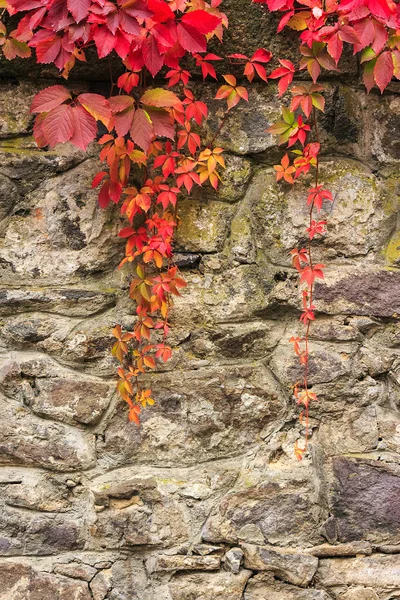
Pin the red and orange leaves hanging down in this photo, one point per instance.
(153, 135)
(372, 29)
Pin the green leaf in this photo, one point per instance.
(367, 54)
(288, 116)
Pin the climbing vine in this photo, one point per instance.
(371, 28)
(151, 143)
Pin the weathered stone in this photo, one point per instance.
(101, 584)
(360, 594)
(52, 391)
(179, 562)
(39, 533)
(215, 412)
(373, 293)
(233, 559)
(388, 549)
(356, 431)
(292, 567)
(27, 166)
(256, 510)
(205, 549)
(349, 549)
(76, 571)
(21, 582)
(376, 571)
(34, 490)
(15, 119)
(203, 227)
(64, 236)
(27, 439)
(262, 588)
(209, 586)
(146, 506)
(363, 502)
(74, 302)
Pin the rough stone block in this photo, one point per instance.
(292, 567)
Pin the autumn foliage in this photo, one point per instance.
(152, 128)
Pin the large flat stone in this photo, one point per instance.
(74, 302)
(59, 233)
(21, 582)
(199, 414)
(292, 567)
(377, 571)
(263, 588)
(208, 586)
(28, 440)
(257, 510)
(364, 500)
(53, 391)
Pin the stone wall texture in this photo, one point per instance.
(206, 500)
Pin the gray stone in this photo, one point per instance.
(21, 582)
(349, 549)
(256, 510)
(147, 506)
(262, 588)
(233, 559)
(215, 412)
(74, 302)
(363, 502)
(290, 566)
(203, 225)
(101, 584)
(76, 571)
(27, 439)
(368, 293)
(209, 586)
(65, 235)
(360, 594)
(376, 571)
(52, 391)
(179, 562)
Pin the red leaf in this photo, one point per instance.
(58, 125)
(98, 178)
(191, 39)
(47, 52)
(126, 232)
(383, 71)
(123, 121)
(38, 131)
(79, 8)
(163, 123)
(161, 10)
(104, 40)
(84, 127)
(49, 98)
(97, 106)
(201, 20)
(104, 196)
(142, 129)
(152, 58)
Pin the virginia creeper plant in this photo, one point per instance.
(153, 129)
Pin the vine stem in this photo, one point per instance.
(310, 289)
(219, 129)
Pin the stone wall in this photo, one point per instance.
(206, 500)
